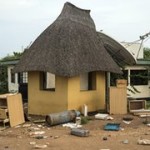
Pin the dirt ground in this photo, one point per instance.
(59, 138)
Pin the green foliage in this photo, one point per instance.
(147, 53)
(114, 77)
(84, 120)
(3, 80)
(148, 104)
(16, 55)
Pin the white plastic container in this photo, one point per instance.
(85, 110)
(78, 120)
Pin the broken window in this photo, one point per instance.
(47, 81)
(88, 81)
(139, 77)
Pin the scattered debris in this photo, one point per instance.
(141, 112)
(19, 137)
(18, 126)
(36, 133)
(125, 141)
(103, 116)
(40, 126)
(35, 129)
(6, 147)
(112, 126)
(39, 121)
(126, 122)
(40, 137)
(144, 142)
(26, 125)
(40, 146)
(105, 138)
(80, 132)
(78, 120)
(32, 143)
(122, 129)
(62, 117)
(56, 137)
(144, 115)
(128, 118)
(72, 125)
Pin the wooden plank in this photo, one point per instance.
(118, 100)
(15, 108)
(4, 96)
(3, 113)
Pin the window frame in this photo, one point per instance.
(43, 82)
(90, 81)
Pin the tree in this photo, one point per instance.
(147, 53)
(16, 55)
(3, 80)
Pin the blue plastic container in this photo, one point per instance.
(112, 126)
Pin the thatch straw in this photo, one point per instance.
(68, 47)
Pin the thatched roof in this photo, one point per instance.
(68, 47)
(118, 52)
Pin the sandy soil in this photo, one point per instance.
(59, 138)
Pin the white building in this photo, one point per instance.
(17, 82)
(136, 73)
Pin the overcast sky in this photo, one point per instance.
(21, 21)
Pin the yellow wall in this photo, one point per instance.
(94, 99)
(44, 102)
(66, 96)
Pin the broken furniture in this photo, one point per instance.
(11, 109)
(136, 104)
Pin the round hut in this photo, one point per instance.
(67, 65)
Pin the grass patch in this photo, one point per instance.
(148, 104)
(85, 119)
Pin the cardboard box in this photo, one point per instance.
(121, 83)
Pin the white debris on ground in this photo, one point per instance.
(72, 125)
(36, 133)
(126, 122)
(103, 116)
(144, 142)
(40, 146)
